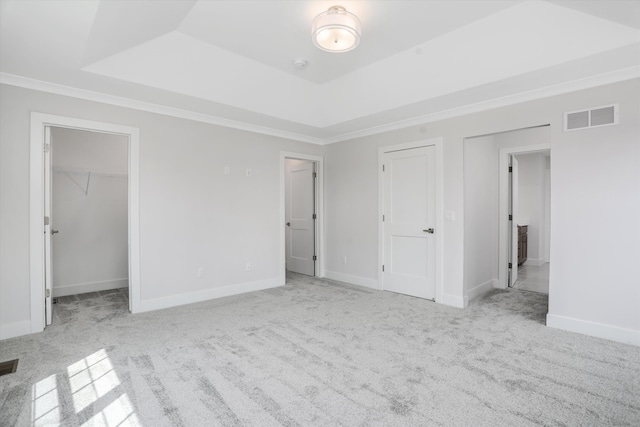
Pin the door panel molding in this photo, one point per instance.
(439, 220)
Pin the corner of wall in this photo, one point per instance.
(599, 330)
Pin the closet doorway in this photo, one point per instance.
(76, 172)
(89, 212)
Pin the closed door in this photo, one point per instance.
(300, 209)
(409, 222)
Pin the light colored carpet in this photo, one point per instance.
(317, 352)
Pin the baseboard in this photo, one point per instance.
(535, 262)
(600, 330)
(15, 329)
(453, 300)
(208, 294)
(353, 280)
(81, 288)
(476, 291)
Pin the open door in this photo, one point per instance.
(300, 216)
(513, 221)
(48, 227)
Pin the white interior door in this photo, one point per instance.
(514, 221)
(300, 210)
(409, 222)
(48, 227)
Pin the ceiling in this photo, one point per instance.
(231, 62)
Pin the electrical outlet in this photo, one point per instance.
(200, 272)
(248, 266)
(344, 260)
(248, 171)
(227, 170)
(449, 215)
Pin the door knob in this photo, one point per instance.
(54, 231)
(429, 230)
(288, 224)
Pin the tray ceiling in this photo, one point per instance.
(233, 60)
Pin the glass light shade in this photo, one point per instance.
(336, 30)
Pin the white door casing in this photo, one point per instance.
(514, 220)
(300, 211)
(39, 124)
(48, 226)
(504, 234)
(409, 201)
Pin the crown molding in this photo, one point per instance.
(43, 86)
(545, 92)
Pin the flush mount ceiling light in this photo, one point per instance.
(336, 30)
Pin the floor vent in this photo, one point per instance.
(593, 117)
(8, 367)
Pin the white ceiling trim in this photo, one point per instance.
(558, 89)
(28, 83)
(580, 84)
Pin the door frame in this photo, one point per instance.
(40, 121)
(319, 223)
(503, 206)
(438, 143)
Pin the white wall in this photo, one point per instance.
(90, 252)
(603, 299)
(191, 214)
(480, 215)
(481, 204)
(220, 222)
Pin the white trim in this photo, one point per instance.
(534, 262)
(36, 207)
(545, 92)
(319, 160)
(558, 89)
(438, 143)
(353, 280)
(40, 85)
(81, 288)
(503, 225)
(208, 294)
(15, 329)
(481, 289)
(600, 330)
(456, 301)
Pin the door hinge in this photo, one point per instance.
(47, 293)
(510, 169)
(315, 258)
(382, 218)
(510, 217)
(510, 265)
(46, 220)
(382, 168)
(315, 174)
(314, 216)
(383, 268)
(46, 147)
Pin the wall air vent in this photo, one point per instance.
(593, 117)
